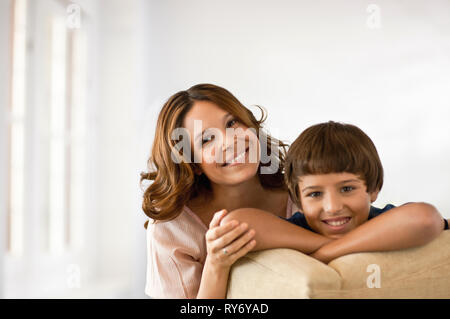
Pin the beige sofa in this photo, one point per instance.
(421, 272)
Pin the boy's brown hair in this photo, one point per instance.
(332, 147)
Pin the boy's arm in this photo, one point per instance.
(274, 232)
(406, 226)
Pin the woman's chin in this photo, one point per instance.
(240, 176)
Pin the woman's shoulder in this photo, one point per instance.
(176, 238)
(293, 207)
(285, 199)
(277, 201)
(185, 226)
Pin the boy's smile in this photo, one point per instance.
(335, 203)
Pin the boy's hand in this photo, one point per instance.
(406, 226)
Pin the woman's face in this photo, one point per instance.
(226, 151)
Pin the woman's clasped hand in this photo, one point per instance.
(228, 242)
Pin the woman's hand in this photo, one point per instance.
(224, 244)
(227, 243)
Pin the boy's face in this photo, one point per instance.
(335, 203)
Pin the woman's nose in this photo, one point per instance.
(229, 142)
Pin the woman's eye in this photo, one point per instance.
(231, 122)
(314, 194)
(207, 139)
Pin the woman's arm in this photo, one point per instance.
(406, 226)
(225, 244)
(274, 232)
(243, 230)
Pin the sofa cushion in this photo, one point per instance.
(420, 272)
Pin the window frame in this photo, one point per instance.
(38, 272)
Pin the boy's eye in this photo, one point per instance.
(314, 194)
(347, 189)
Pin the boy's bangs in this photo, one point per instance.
(333, 148)
(334, 160)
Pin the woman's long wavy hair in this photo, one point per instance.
(174, 184)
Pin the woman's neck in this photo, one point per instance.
(246, 194)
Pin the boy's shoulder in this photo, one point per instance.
(374, 211)
(299, 219)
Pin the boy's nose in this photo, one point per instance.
(332, 204)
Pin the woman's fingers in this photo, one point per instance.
(227, 243)
(215, 221)
(243, 251)
(239, 243)
(229, 237)
(217, 232)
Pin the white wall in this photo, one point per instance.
(122, 252)
(314, 61)
(112, 262)
(113, 259)
(5, 69)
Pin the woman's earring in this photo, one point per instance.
(197, 170)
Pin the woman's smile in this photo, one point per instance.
(242, 158)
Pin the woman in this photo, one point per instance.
(189, 252)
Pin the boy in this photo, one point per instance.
(334, 173)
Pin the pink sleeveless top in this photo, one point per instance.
(176, 252)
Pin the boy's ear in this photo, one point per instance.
(374, 195)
